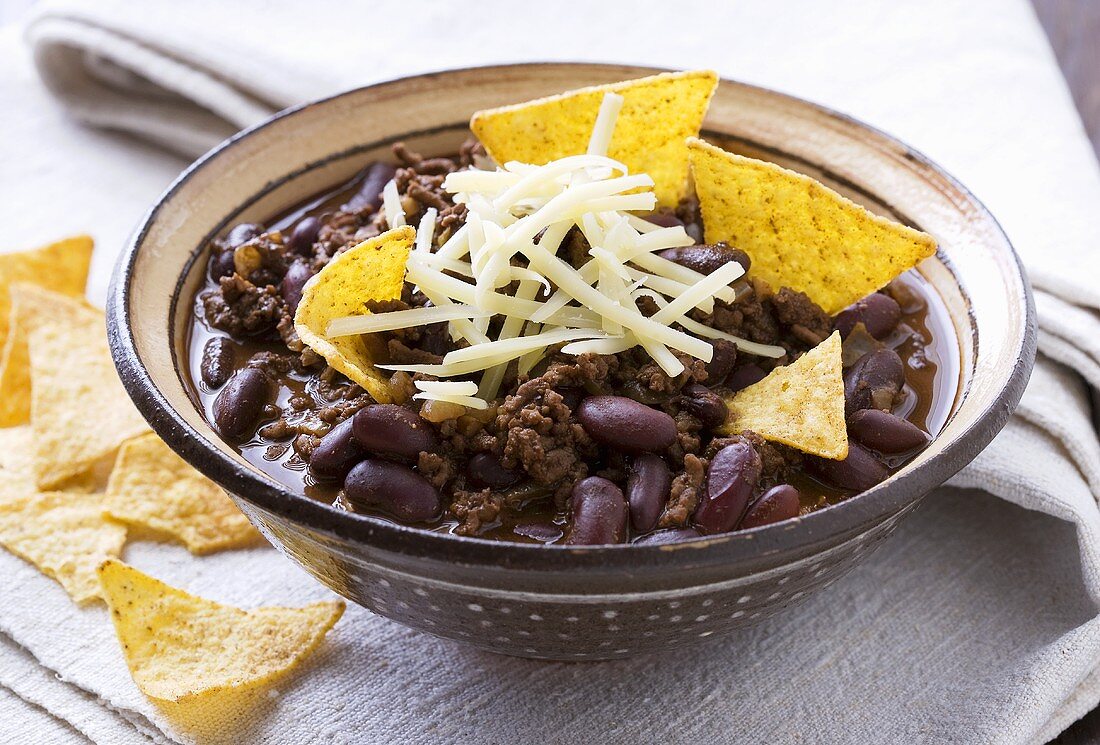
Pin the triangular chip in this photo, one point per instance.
(800, 404)
(17, 466)
(61, 267)
(152, 487)
(798, 232)
(658, 113)
(64, 534)
(179, 646)
(373, 270)
(80, 413)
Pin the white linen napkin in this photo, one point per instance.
(976, 623)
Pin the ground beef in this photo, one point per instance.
(242, 309)
(475, 509)
(436, 468)
(536, 428)
(806, 321)
(687, 489)
(401, 354)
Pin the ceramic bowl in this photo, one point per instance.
(561, 602)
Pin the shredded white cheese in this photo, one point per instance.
(518, 215)
(391, 205)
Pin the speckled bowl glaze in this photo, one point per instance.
(557, 602)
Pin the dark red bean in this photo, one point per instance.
(647, 490)
(336, 453)
(486, 470)
(625, 424)
(222, 264)
(706, 259)
(304, 235)
(599, 513)
(745, 376)
(672, 535)
(885, 432)
(293, 282)
(705, 405)
(775, 505)
(873, 381)
(664, 219)
(858, 472)
(217, 362)
(369, 195)
(731, 479)
(721, 362)
(237, 408)
(243, 233)
(392, 488)
(879, 313)
(393, 430)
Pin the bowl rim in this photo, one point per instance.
(849, 517)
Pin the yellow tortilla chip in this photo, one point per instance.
(179, 646)
(658, 113)
(373, 270)
(800, 404)
(798, 232)
(61, 267)
(80, 413)
(64, 534)
(152, 487)
(17, 466)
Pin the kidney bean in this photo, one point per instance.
(885, 432)
(217, 361)
(599, 513)
(293, 281)
(304, 235)
(625, 424)
(706, 259)
(486, 470)
(775, 505)
(392, 488)
(879, 313)
(369, 195)
(858, 472)
(647, 490)
(721, 362)
(242, 233)
(240, 403)
(745, 376)
(336, 453)
(705, 405)
(222, 264)
(672, 535)
(393, 430)
(731, 479)
(873, 381)
(664, 219)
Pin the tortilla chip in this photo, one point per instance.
(179, 646)
(64, 534)
(800, 404)
(152, 487)
(658, 114)
(373, 270)
(799, 233)
(80, 413)
(61, 267)
(17, 467)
